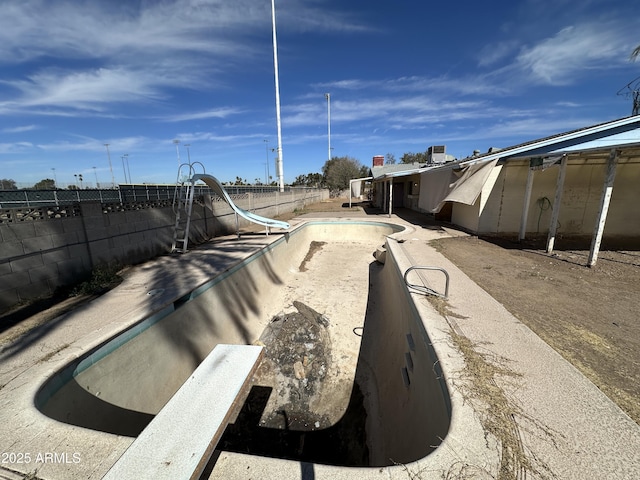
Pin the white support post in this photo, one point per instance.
(384, 195)
(607, 190)
(551, 238)
(390, 196)
(525, 208)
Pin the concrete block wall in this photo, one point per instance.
(38, 254)
(52, 247)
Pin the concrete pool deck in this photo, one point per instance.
(562, 422)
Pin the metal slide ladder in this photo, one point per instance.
(182, 207)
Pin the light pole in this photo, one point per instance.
(124, 169)
(328, 97)
(279, 168)
(266, 142)
(177, 142)
(126, 157)
(95, 172)
(113, 180)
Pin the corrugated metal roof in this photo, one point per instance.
(623, 132)
(573, 140)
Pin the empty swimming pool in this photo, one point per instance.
(349, 378)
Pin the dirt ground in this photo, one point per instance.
(588, 315)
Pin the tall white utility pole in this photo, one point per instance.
(279, 168)
(113, 180)
(328, 97)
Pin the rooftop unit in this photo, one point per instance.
(437, 154)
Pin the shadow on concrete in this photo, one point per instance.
(63, 399)
(89, 411)
(423, 220)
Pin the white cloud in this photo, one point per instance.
(560, 59)
(20, 129)
(100, 30)
(494, 53)
(16, 147)
(107, 52)
(214, 113)
(86, 89)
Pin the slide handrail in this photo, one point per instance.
(214, 184)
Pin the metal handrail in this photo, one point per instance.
(424, 289)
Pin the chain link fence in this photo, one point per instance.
(123, 194)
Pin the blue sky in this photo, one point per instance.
(402, 75)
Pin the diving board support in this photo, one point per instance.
(178, 443)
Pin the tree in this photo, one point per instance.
(309, 180)
(390, 159)
(45, 184)
(8, 184)
(338, 171)
(411, 157)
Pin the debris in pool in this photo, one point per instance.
(313, 248)
(295, 366)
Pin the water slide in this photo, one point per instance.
(214, 184)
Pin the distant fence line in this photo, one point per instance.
(122, 194)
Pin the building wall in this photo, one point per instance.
(500, 205)
(466, 216)
(44, 248)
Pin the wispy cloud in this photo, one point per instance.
(107, 53)
(563, 58)
(214, 113)
(84, 90)
(495, 52)
(16, 147)
(20, 129)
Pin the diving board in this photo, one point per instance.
(214, 184)
(179, 441)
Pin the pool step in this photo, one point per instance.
(179, 441)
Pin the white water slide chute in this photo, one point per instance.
(214, 184)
